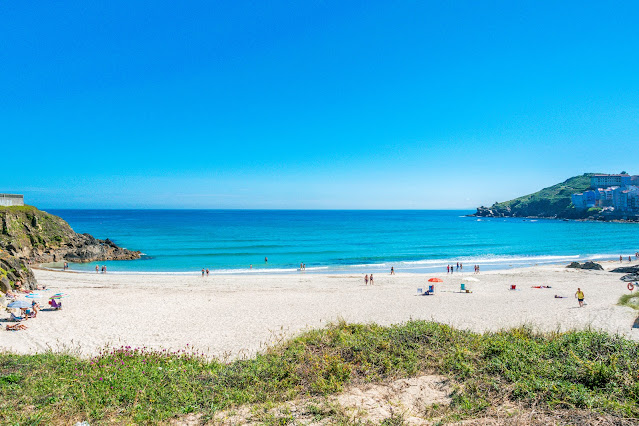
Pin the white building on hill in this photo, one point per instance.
(604, 181)
(11, 200)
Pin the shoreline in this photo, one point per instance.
(230, 316)
(432, 267)
(564, 219)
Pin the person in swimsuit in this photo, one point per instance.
(366, 279)
(580, 297)
(371, 279)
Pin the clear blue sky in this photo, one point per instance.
(312, 104)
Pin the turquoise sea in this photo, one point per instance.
(229, 241)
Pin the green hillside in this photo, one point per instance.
(553, 201)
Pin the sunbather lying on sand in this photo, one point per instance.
(559, 297)
(541, 286)
(16, 327)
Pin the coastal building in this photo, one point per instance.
(604, 181)
(11, 200)
(620, 199)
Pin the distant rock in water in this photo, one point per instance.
(588, 265)
(37, 236)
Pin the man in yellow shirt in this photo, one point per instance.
(580, 297)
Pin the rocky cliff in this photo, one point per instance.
(12, 270)
(31, 235)
(551, 202)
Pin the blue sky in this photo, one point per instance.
(312, 104)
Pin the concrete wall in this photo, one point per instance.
(11, 200)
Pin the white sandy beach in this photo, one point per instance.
(237, 314)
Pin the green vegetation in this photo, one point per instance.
(26, 227)
(580, 372)
(551, 201)
(630, 300)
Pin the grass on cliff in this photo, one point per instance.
(552, 200)
(585, 370)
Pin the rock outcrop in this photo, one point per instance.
(630, 278)
(627, 269)
(31, 234)
(587, 265)
(13, 270)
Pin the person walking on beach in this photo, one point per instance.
(458, 266)
(97, 270)
(461, 266)
(366, 279)
(620, 258)
(392, 271)
(580, 297)
(371, 279)
(202, 271)
(447, 269)
(207, 272)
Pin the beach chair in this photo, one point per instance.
(16, 318)
(419, 291)
(55, 304)
(463, 287)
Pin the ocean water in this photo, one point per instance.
(229, 241)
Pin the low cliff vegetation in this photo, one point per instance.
(550, 202)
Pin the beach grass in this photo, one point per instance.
(630, 300)
(578, 371)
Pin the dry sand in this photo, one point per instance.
(235, 315)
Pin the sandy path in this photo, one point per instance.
(237, 314)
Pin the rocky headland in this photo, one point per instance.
(29, 235)
(552, 202)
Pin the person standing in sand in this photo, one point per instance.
(366, 279)
(371, 279)
(202, 271)
(97, 270)
(580, 297)
(392, 271)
